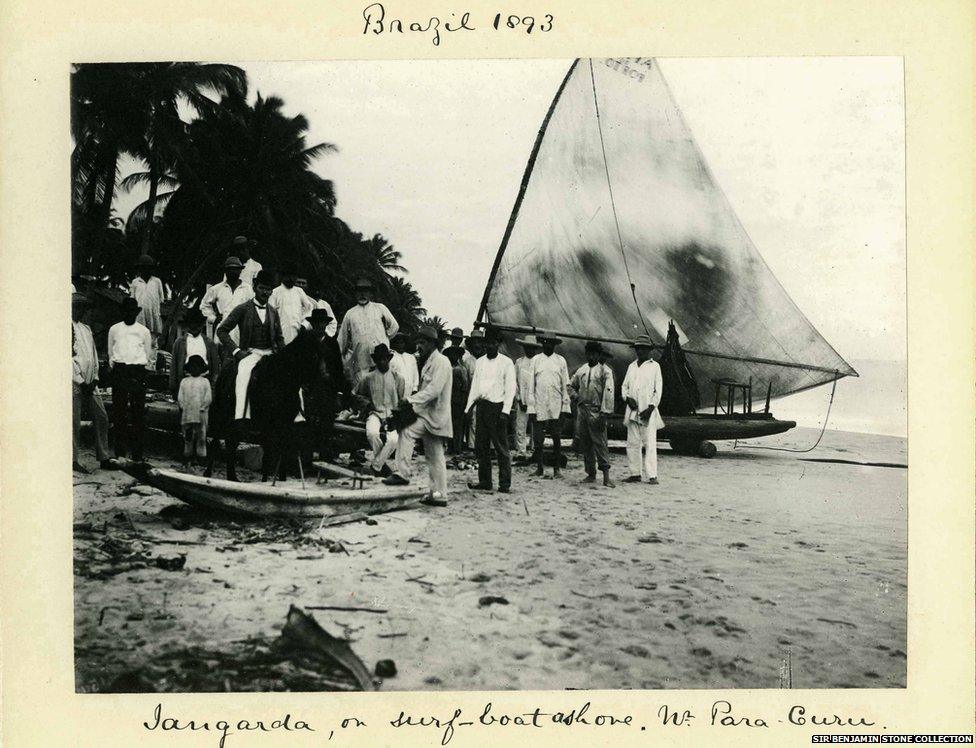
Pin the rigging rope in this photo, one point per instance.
(830, 403)
(613, 206)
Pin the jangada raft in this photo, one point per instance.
(265, 500)
(619, 228)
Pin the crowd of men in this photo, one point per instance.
(450, 397)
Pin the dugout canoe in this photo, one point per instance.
(265, 500)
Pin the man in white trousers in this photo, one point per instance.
(641, 390)
(432, 405)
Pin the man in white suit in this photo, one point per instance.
(641, 390)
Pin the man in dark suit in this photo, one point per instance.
(191, 342)
(260, 335)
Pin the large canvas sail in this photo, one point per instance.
(619, 227)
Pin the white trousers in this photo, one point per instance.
(244, 369)
(642, 438)
(521, 424)
(382, 451)
(433, 453)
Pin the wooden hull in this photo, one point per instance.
(705, 426)
(265, 500)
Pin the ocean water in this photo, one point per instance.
(876, 402)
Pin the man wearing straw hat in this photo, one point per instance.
(641, 390)
(84, 363)
(548, 399)
(593, 385)
(523, 374)
(428, 417)
(364, 327)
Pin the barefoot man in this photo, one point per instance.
(431, 405)
(641, 390)
(593, 385)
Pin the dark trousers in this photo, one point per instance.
(591, 431)
(539, 430)
(128, 408)
(491, 430)
(458, 424)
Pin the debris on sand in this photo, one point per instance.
(386, 669)
(484, 602)
(303, 633)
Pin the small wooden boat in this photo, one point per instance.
(266, 500)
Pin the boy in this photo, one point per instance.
(383, 390)
(459, 396)
(129, 350)
(192, 343)
(194, 397)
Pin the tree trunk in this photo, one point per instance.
(151, 205)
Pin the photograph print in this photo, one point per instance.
(489, 374)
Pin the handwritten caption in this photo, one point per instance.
(377, 21)
(443, 728)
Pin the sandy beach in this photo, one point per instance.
(711, 579)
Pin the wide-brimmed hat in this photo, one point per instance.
(319, 315)
(193, 314)
(427, 333)
(364, 283)
(528, 340)
(593, 346)
(381, 352)
(233, 262)
(195, 364)
(478, 334)
(643, 341)
(145, 261)
(129, 304)
(79, 298)
(550, 337)
(457, 332)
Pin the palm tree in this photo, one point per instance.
(246, 169)
(436, 322)
(385, 256)
(405, 304)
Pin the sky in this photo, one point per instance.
(809, 151)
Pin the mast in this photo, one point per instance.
(483, 309)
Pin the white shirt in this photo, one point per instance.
(129, 344)
(549, 392)
(363, 328)
(293, 306)
(333, 327)
(224, 298)
(195, 346)
(149, 294)
(85, 358)
(494, 381)
(405, 364)
(644, 384)
(432, 402)
(523, 379)
(251, 268)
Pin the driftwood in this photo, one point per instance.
(305, 635)
(346, 608)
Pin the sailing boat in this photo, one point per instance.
(620, 229)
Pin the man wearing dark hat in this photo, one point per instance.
(548, 399)
(322, 401)
(259, 335)
(220, 298)
(364, 327)
(523, 373)
(129, 349)
(431, 404)
(492, 392)
(84, 364)
(381, 390)
(148, 292)
(192, 343)
(593, 386)
(641, 390)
